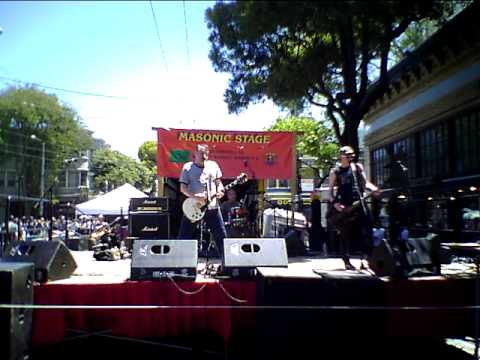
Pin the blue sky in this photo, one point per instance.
(112, 48)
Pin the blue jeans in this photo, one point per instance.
(214, 222)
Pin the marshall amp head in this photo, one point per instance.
(149, 225)
(150, 204)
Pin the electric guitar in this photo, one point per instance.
(194, 209)
(335, 217)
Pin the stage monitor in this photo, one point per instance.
(159, 259)
(248, 253)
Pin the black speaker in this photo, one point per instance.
(77, 242)
(52, 259)
(242, 255)
(423, 252)
(295, 245)
(158, 259)
(149, 225)
(16, 287)
(383, 261)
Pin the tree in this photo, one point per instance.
(27, 111)
(316, 139)
(148, 153)
(299, 54)
(421, 30)
(113, 169)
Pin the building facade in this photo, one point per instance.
(423, 133)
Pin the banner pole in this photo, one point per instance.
(293, 181)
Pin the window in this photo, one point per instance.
(83, 178)
(404, 151)
(11, 179)
(434, 151)
(2, 180)
(62, 179)
(379, 161)
(467, 133)
(277, 184)
(73, 179)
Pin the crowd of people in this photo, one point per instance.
(31, 228)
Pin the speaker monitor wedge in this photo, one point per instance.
(52, 259)
(157, 259)
(382, 260)
(253, 252)
(16, 287)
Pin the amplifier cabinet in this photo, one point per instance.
(149, 225)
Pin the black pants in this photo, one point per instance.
(356, 229)
(214, 221)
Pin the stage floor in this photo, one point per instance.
(91, 271)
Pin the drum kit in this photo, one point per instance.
(238, 224)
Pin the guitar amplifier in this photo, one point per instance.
(149, 225)
(151, 204)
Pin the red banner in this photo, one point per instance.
(259, 154)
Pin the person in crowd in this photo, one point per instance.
(199, 179)
(349, 213)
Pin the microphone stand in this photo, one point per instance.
(50, 215)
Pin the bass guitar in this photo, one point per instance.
(194, 209)
(336, 218)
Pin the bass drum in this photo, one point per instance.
(238, 216)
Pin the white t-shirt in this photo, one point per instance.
(199, 179)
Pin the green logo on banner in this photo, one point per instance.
(179, 156)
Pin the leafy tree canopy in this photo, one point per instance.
(27, 111)
(314, 139)
(113, 169)
(148, 153)
(323, 53)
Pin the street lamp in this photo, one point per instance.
(42, 175)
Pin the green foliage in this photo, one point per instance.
(421, 30)
(313, 138)
(113, 169)
(148, 153)
(26, 111)
(310, 53)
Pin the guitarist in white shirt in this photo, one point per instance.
(200, 179)
(350, 182)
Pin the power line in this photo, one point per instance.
(186, 31)
(13, 133)
(22, 154)
(5, 79)
(158, 35)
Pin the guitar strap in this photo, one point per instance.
(356, 185)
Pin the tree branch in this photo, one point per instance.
(347, 48)
(366, 57)
(333, 119)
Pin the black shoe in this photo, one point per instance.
(362, 265)
(348, 264)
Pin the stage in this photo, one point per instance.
(313, 298)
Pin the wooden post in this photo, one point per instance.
(293, 182)
(161, 186)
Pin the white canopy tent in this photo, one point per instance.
(114, 202)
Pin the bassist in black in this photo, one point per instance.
(349, 213)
